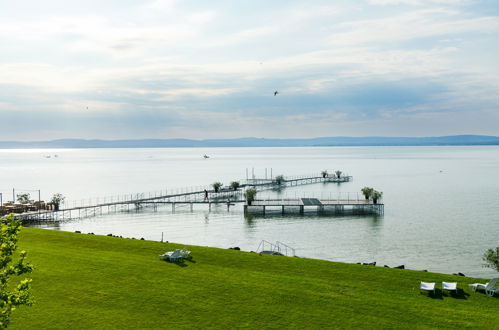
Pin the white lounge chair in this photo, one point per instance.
(490, 287)
(427, 286)
(186, 254)
(449, 286)
(172, 255)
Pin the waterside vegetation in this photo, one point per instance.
(250, 195)
(89, 281)
(14, 288)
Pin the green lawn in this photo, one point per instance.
(86, 281)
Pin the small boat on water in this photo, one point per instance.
(206, 156)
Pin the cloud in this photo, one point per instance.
(186, 69)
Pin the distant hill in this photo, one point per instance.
(454, 140)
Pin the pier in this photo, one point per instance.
(195, 196)
(319, 206)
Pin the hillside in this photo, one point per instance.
(86, 281)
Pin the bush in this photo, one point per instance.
(375, 195)
(57, 199)
(367, 192)
(250, 195)
(11, 295)
(216, 186)
(279, 179)
(234, 185)
(491, 258)
(23, 198)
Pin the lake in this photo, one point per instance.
(441, 203)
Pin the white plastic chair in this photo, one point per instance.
(427, 286)
(490, 287)
(449, 286)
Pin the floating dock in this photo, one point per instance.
(320, 206)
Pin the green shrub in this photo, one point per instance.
(279, 179)
(234, 185)
(250, 195)
(491, 258)
(216, 186)
(23, 198)
(376, 195)
(11, 295)
(367, 192)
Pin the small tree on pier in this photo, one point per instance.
(234, 185)
(491, 258)
(338, 174)
(57, 200)
(12, 296)
(324, 174)
(250, 195)
(216, 186)
(376, 195)
(279, 179)
(23, 198)
(367, 192)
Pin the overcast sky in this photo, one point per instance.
(120, 69)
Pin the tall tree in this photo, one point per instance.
(12, 294)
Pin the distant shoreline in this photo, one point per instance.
(340, 141)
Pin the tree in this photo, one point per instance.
(23, 198)
(375, 195)
(57, 199)
(338, 173)
(491, 258)
(279, 179)
(324, 174)
(234, 185)
(12, 296)
(216, 186)
(250, 194)
(367, 192)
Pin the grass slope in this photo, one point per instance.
(85, 281)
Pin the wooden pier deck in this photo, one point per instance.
(182, 197)
(321, 206)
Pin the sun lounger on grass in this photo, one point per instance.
(178, 254)
(172, 255)
(186, 254)
(490, 287)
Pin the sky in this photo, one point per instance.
(208, 69)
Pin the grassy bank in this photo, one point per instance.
(87, 281)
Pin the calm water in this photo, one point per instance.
(441, 203)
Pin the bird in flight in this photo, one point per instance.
(275, 93)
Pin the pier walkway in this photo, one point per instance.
(185, 196)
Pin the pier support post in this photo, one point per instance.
(302, 209)
(245, 209)
(191, 206)
(283, 209)
(263, 209)
(173, 207)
